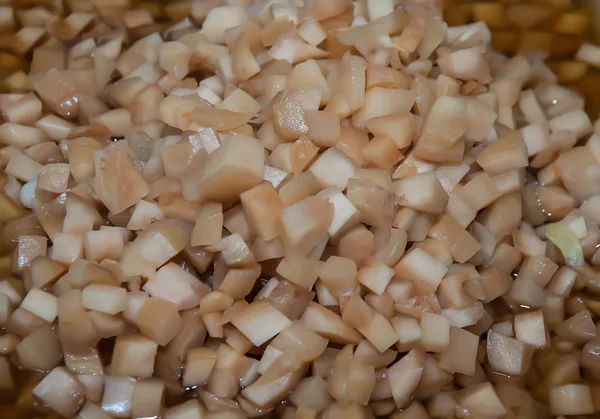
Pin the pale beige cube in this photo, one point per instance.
(8, 288)
(508, 355)
(289, 121)
(54, 127)
(272, 387)
(61, 391)
(148, 398)
(351, 380)
(103, 244)
(329, 325)
(466, 64)
(408, 331)
(191, 335)
(45, 271)
(260, 321)
(144, 214)
(243, 62)
(435, 330)
(54, 177)
(107, 299)
(305, 223)
(191, 409)
(117, 182)
(40, 350)
(23, 167)
(28, 248)
(213, 324)
(382, 101)
(404, 376)
(531, 108)
(422, 268)
(575, 120)
(20, 109)
(400, 289)
(23, 323)
(81, 216)
(269, 358)
(338, 275)
(422, 192)
(345, 214)
(262, 206)
(126, 234)
(208, 229)
(77, 331)
(505, 328)
(41, 303)
(267, 250)
(239, 282)
(172, 283)
(563, 281)
(300, 343)
(66, 248)
(84, 362)
(238, 100)
(311, 393)
(356, 244)
(235, 253)
(118, 396)
(300, 186)
(159, 320)
(578, 328)
(333, 168)
(481, 191)
(324, 296)
(530, 328)
(375, 277)
(535, 137)
(198, 366)
(275, 176)
(133, 356)
(215, 301)
(152, 248)
(94, 386)
(482, 400)
(392, 250)
(324, 127)
(233, 168)
(133, 304)
(399, 127)
(251, 374)
(312, 32)
(174, 58)
(82, 273)
(379, 332)
(461, 355)
(461, 244)
(108, 325)
(571, 399)
(294, 157)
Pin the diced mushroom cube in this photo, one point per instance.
(61, 392)
(158, 319)
(260, 321)
(133, 356)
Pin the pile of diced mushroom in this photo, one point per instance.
(319, 209)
